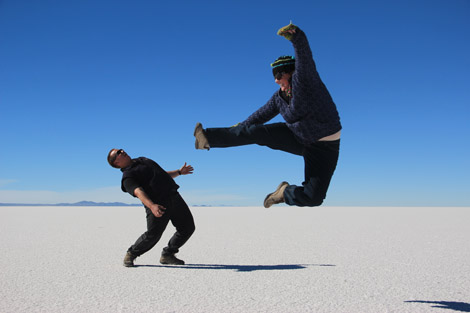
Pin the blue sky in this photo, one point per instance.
(78, 78)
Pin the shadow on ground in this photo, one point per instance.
(450, 305)
(240, 268)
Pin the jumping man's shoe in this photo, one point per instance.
(277, 196)
(129, 260)
(171, 259)
(201, 140)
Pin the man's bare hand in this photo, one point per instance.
(186, 169)
(157, 210)
(287, 31)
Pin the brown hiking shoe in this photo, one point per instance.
(129, 260)
(201, 140)
(277, 196)
(171, 259)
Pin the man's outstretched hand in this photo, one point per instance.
(186, 169)
(287, 31)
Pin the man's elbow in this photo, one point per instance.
(138, 192)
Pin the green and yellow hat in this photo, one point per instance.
(283, 64)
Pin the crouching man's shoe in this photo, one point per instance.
(201, 140)
(129, 260)
(277, 196)
(171, 259)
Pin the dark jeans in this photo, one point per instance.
(177, 211)
(320, 158)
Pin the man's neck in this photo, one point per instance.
(126, 166)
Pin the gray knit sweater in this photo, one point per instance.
(311, 113)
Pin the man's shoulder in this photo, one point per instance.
(137, 163)
(142, 161)
(147, 162)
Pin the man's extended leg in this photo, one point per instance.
(181, 217)
(155, 228)
(320, 163)
(275, 136)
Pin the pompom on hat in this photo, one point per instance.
(283, 64)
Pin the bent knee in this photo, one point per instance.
(317, 203)
(192, 229)
(314, 202)
(188, 230)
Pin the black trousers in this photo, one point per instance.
(320, 158)
(177, 211)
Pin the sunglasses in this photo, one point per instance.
(113, 158)
(279, 75)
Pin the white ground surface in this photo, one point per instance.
(283, 259)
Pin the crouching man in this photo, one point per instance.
(145, 179)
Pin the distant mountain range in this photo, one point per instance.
(91, 203)
(81, 203)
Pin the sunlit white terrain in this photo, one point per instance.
(240, 259)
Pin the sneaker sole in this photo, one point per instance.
(171, 263)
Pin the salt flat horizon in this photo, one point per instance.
(87, 203)
(240, 259)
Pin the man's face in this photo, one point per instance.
(121, 158)
(283, 80)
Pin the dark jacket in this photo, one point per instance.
(311, 114)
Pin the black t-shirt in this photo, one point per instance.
(148, 175)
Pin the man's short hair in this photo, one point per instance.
(112, 158)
